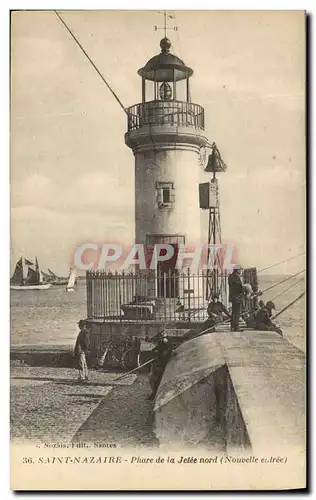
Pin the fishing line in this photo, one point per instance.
(282, 262)
(283, 281)
(90, 60)
(289, 288)
(289, 305)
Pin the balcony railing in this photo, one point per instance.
(177, 113)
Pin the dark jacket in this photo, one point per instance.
(162, 353)
(263, 317)
(218, 309)
(82, 342)
(235, 287)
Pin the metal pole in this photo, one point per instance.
(188, 90)
(143, 90)
(155, 87)
(208, 254)
(214, 242)
(174, 86)
(189, 296)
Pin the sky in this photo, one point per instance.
(72, 177)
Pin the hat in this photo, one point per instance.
(270, 304)
(81, 323)
(237, 267)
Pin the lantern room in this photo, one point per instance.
(166, 99)
(162, 74)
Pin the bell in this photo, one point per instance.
(215, 163)
(211, 164)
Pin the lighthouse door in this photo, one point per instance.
(167, 276)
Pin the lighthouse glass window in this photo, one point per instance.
(165, 194)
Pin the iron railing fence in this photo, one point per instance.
(171, 296)
(179, 113)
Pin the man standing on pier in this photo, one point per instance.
(81, 350)
(162, 352)
(236, 293)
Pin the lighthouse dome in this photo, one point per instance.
(165, 67)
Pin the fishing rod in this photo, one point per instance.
(255, 312)
(259, 293)
(281, 262)
(153, 359)
(283, 281)
(133, 371)
(203, 333)
(289, 305)
(287, 289)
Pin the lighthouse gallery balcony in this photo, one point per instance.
(162, 113)
(165, 122)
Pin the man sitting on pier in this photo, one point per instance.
(81, 350)
(250, 318)
(263, 319)
(216, 311)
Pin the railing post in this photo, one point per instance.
(143, 89)
(174, 86)
(189, 296)
(88, 295)
(165, 295)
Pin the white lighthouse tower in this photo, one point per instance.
(166, 132)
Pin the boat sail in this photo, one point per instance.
(55, 279)
(47, 277)
(51, 273)
(72, 281)
(19, 272)
(26, 277)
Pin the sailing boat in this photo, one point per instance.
(72, 281)
(25, 277)
(55, 279)
(47, 277)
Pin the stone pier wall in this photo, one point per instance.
(207, 414)
(103, 332)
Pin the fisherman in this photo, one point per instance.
(236, 293)
(162, 352)
(270, 306)
(251, 317)
(263, 319)
(216, 311)
(81, 350)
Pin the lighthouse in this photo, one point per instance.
(166, 132)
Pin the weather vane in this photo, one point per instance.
(165, 27)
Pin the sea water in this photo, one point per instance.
(50, 317)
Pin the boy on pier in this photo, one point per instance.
(81, 350)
